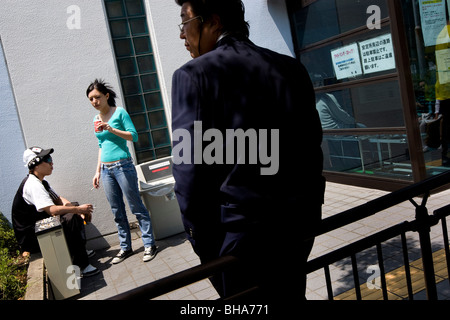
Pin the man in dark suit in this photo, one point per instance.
(257, 210)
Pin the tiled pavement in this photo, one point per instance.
(175, 253)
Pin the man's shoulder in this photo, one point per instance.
(235, 51)
(32, 180)
(32, 184)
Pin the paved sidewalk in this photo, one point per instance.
(175, 253)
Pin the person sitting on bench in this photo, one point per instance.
(36, 200)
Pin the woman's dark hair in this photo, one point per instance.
(104, 88)
(231, 13)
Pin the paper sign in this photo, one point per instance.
(377, 54)
(346, 61)
(443, 65)
(432, 16)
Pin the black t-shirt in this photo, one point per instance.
(24, 217)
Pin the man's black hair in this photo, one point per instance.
(231, 13)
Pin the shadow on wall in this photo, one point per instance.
(278, 11)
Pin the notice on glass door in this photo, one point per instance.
(432, 16)
(443, 65)
(346, 61)
(377, 54)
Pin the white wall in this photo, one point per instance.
(50, 67)
(269, 25)
(11, 142)
(164, 17)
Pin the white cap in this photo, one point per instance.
(35, 153)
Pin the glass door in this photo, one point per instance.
(354, 70)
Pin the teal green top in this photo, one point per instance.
(113, 147)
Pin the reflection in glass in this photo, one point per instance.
(428, 35)
(324, 19)
(332, 115)
(320, 66)
(384, 155)
(369, 106)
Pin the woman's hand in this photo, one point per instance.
(96, 180)
(122, 134)
(105, 126)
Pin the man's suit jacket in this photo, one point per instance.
(239, 85)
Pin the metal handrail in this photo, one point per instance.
(382, 203)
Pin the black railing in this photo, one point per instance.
(421, 224)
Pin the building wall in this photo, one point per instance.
(50, 68)
(11, 141)
(52, 53)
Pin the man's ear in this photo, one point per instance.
(215, 23)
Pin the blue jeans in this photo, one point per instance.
(120, 179)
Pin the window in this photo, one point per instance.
(358, 96)
(138, 75)
(319, 20)
(428, 28)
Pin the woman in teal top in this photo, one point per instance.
(113, 128)
(113, 144)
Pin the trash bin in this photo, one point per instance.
(156, 185)
(57, 259)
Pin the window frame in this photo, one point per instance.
(136, 82)
(395, 21)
